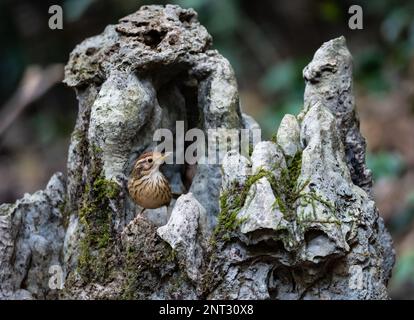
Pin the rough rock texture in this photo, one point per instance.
(329, 81)
(184, 233)
(151, 70)
(31, 237)
(268, 156)
(313, 232)
(294, 221)
(288, 135)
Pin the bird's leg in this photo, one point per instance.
(140, 214)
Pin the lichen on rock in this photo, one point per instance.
(149, 71)
(294, 220)
(332, 219)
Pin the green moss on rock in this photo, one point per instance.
(96, 218)
(231, 202)
(287, 189)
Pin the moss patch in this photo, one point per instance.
(287, 191)
(65, 212)
(96, 218)
(274, 137)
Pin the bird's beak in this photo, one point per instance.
(162, 158)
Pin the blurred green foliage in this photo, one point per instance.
(330, 11)
(283, 77)
(410, 199)
(404, 270)
(283, 80)
(369, 70)
(402, 280)
(401, 221)
(74, 9)
(385, 164)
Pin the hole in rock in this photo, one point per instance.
(313, 234)
(186, 17)
(178, 97)
(267, 246)
(141, 23)
(281, 279)
(153, 37)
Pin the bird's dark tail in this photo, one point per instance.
(176, 195)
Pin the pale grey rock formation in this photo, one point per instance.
(329, 82)
(160, 216)
(330, 222)
(235, 168)
(335, 224)
(31, 236)
(260, 211)
(268, 156)
(152, 69)
(288, 135)
(185, 234)
(294, 221)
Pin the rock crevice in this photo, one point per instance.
(294, 221)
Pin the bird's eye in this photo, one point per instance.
(149, 160)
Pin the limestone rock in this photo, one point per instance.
(260, 210)
(268, 156)
(288, 135)
(329, 81)
(185, 234)
(235, 169)
(31, 239)
(325, 215)
(152, 69)
(295, 221)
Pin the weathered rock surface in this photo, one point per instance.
(151, 70)
(31, 237)
(288, 135)
(268, 156)
(184, 233)
(329, 81)
(315, 216)
(235, 168)
(260, 211)
(294, 221)
(331, 223)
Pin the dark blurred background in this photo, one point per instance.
(268, 43)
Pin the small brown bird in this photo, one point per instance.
(147, 186)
